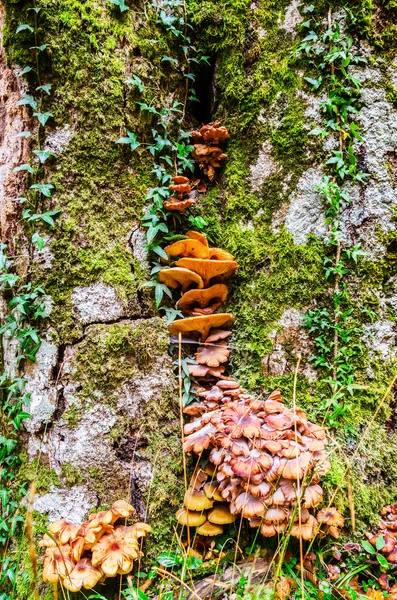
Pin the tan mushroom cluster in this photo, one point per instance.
(208, 147)
(180, 200)
(388, 530)
(261, 455)
(80, 556)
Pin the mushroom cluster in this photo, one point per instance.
(180, 200)
(388, 531)
(207, 147)
(80, 556)
(263, 459)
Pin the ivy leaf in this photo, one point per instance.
(145, 107)
(368, 547)
(25, 134)
(39, 48)
(315, 83)
(170, 59)
(24, 27)
(47, 217)
(168, 559)
(382, 561)
(46, 88)
(28, 100)
(131, 139)
(121, 4)
(36, 9)
(24, 167)
(43, 117)
(42, 155)
(38, 240)
(193, 562)
(25, 70)
(136, 82)
(171, 314)
(44, 188)
(380, 542)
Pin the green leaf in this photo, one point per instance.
(42, 155)
(25, 70)
(193, 562)
(121, 4)
(24, 167)
(39, 48)
(24, 27)
(368, 547)
(382, 561)
(44, 188)
(25, 134)
(136, 594)
(43, 117)
(136, 82)
(380, 542)
(28, 100)
(39, 241)
(46, 88)
(47, 217)
(131, 139)
(169, 559)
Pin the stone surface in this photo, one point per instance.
(292, 17)
(305, 213)
(42, 387)
(58, 140)
(97, 303)
(72, 504)
(263, 167)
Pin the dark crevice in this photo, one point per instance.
(56, 377)
(124, 319)
(204, 86)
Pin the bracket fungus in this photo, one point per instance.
(79, 556)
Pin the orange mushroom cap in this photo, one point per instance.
(180, 179)
(208, 269)
(202, 325)
(180, 276)
(174, 204)
(196, 235)
(192, 248)
(209, 298)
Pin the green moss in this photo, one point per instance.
(72, 475)
(37, 471)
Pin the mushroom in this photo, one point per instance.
(249, 506)
(196, 235)
(218, 334)
(63, 530)
(219, 254)
(209, 529)
(212, 492)
(189, 518)
(201, 325)
(306, 530)
(208, 269)
(203, 301)
(174, 204)
(178, 276)
(84, 574)
(189, 247)
(221, 515)
(58, 563)
(213, 356)
(115, 552)
(197, 500)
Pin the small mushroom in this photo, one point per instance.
(209, 529)
(249, 506)
(173, 204)
(213, 355)
(189, 247)
(178, 276)
(189, 518)
(306, 530)
(58, 563)
(84, 574)
(196, 235)
(208, 269)
(212, 492)
(203, 301)
(221, 515)
(197, 500)
(218, 334)
(201, 325)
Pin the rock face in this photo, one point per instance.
(104, 403)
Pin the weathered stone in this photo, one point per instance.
(72, 504)
(41, 387)
(98, 303)
(263, 168)
(292, 17)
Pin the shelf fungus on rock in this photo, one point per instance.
(80, 556)
(203, 301)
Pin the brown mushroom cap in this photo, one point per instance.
(197, 500)
(189, 518)
(213, 296)
(200, 324)
(220, 254)
(174, 204)
(180, 179)
(196, 235)
(178, 276)
(218, 334)
(212, 355)
(209, 529)
(189, 247)
(212, 492)
(306, 530)
(208, 269)
(221, 515)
